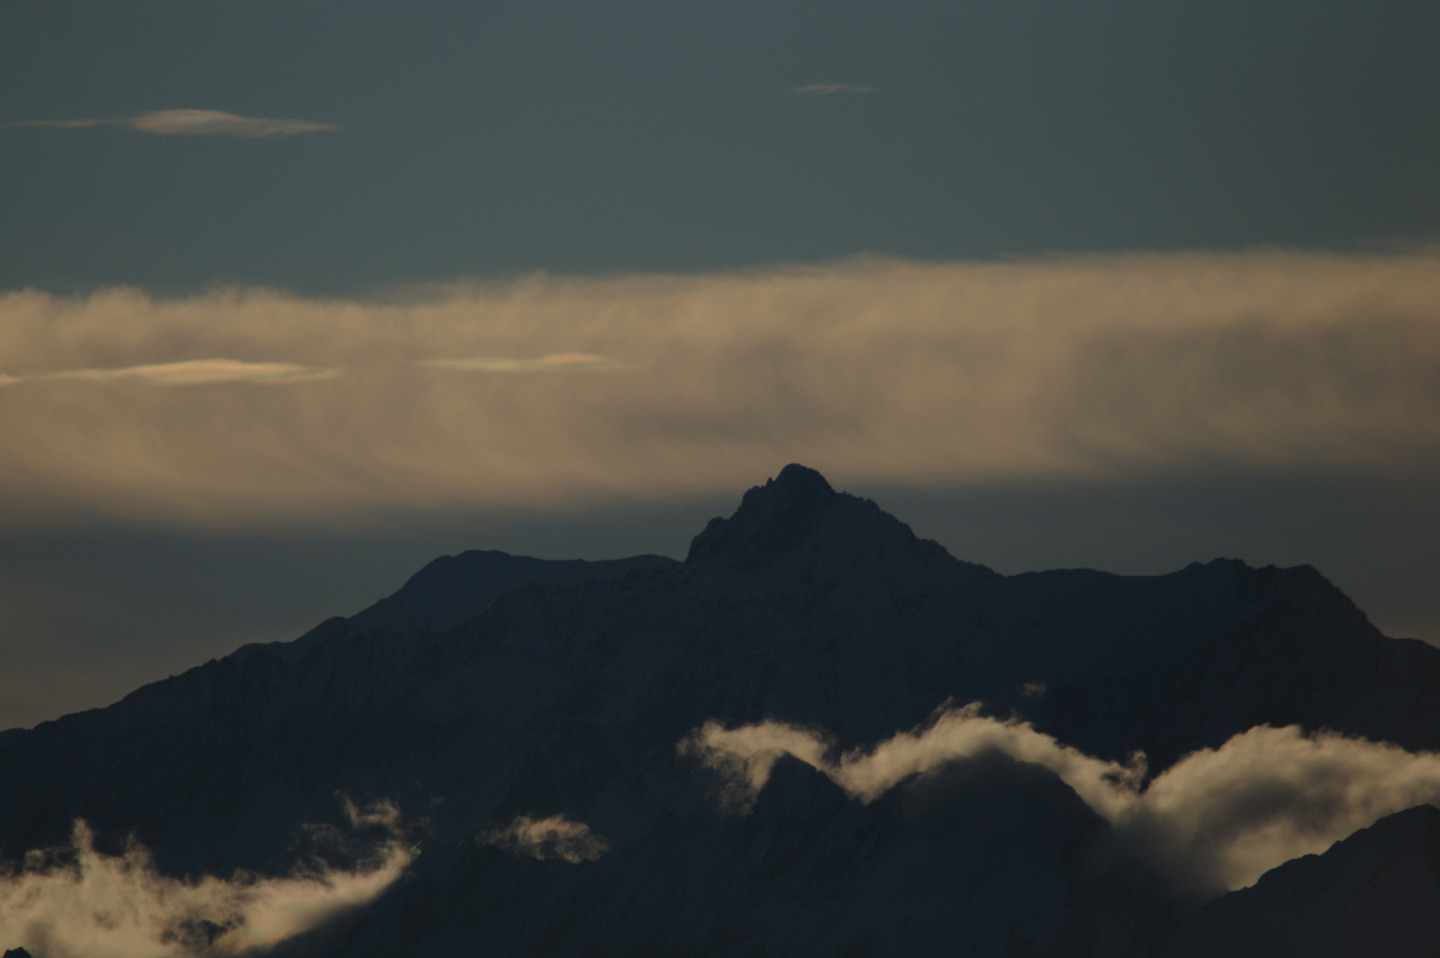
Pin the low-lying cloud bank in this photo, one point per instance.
(874, 371)
(1214, 821)
(80, 903)
(547, 838)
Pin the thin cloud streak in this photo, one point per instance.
(192, 123)
(556, 362)
(873, 371)
(191, 372)
(1214, 821)
(827, 89)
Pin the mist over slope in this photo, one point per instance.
(818, 734)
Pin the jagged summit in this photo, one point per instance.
(772, 518)
(797, 520)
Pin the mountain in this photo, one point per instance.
(534, 730)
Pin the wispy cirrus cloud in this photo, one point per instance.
(190, 372)
(192, 123)
(555, 362)
(827, 89)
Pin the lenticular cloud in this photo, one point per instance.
(1216, 820)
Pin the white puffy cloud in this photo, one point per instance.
(745, 756)
(1215, 820)
(80, 903)
(1219, 818)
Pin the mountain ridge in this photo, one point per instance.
(494, 688)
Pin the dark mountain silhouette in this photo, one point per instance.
(492, 687)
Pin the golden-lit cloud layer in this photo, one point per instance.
(193, 123)
(873, 371)
(1216, 820)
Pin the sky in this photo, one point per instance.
(296, 297)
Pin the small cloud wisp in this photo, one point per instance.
(547, 838)
(827, 89)
(555, 362)
(1216, 820)
(193, 123)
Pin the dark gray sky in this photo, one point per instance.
(486, 139)
(182, 474)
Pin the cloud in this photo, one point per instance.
(495, 364)
(553, 837)
(746, 755)
(79, 903)
(827, 89)
(1214, 821)
(380, 813)
(1220, 818)
(190, 372)
(876, 372)
(194, 123)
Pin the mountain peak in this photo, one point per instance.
(771, 518)
(796, 476)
